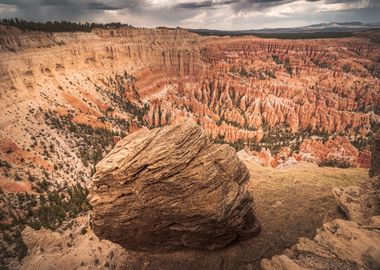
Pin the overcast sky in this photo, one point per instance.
(211, 14)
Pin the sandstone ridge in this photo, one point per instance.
(171, 188)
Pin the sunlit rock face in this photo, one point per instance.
(171, 188)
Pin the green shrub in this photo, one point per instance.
(338, 163)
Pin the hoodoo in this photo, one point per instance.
(171, 188)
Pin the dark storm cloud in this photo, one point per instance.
(262, 5)
(339, 1)
(232, 14)
(76, 10)
(116, 5)
(36, 3)
(205, 4)
(244, 5)
(83, 5)
(54, 2)
(90, 4)
(238, 4)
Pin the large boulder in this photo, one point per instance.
(171, 188)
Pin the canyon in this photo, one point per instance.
(68, 97)
(60, 91)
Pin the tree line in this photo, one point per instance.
(59, 26)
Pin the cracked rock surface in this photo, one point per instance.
(171, 188)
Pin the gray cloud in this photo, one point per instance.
(239, 4)
(205, 4)
(116, 5)
(75, 10)
(217, 14)
(90, 4)
(244, 5)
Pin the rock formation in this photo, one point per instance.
(77, 248)
(67, 98)
(171, 188)
(341, 244)
(339, 149)
(241, 90)
(359, 204)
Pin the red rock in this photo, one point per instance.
(338, 148)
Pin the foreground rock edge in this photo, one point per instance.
(342, 244)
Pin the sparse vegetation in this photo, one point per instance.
(91, 143)
(277, 59)
(135, 108)
(288, 67)
(346, 68)
(260, 73)
(47, 210)
(337, 163)
(320, 63)
(374, 70)
(238, 145)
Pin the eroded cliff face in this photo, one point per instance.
(68, 97)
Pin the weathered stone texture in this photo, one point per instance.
(171, 188)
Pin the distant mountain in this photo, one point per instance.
(334, 26)
(332, 29)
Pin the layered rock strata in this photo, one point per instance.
(171, 188)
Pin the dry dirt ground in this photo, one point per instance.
(291, 202)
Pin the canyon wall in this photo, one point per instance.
(68, 97)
